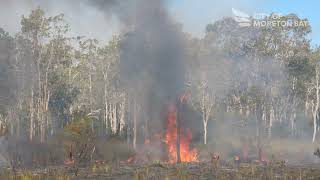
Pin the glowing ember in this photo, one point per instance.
(131, 159)
(187, 154)
(147, 141)
(69, 162)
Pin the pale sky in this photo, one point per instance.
(193, 14)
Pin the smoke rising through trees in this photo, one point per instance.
(246, 84)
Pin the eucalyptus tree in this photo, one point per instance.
(45, 37)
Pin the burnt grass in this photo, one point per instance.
(158, 170)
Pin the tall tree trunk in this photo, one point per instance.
(316, 108)
(31, 111)
(114, 121)
(267, 117)
(259, 114)
(293, 119)
(45, 98)
(111, 117)
(39, 113)
(90, 96)
(129, 123)
(205, 132)
(106, 106)
(42, 131)
(18, 118)
(135, 113)
(314, 126)
(146, 126)
(10, 119)
(272, 116)
(122, 115)
(204, 117)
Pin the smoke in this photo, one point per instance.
(152, 58)
(7, 76)
(84, 20)
(153, 54)
(102, 18)
(152, 51)
(120, 9)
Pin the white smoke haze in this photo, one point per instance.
(83, 19)
(103, 20)
(154, 48)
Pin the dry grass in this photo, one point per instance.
(277, 168)
(176, 172)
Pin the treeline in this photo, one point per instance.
(49, 80)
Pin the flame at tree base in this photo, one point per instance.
(186, 154)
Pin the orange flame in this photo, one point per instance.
(186, 154)
(147, 141)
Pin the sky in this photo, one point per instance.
(83, 19)
(304, 8)
(193, 14)
(196, 14)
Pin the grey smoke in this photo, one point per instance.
(100, 18)
(152, 54)
(120, 9)
(84, 20)
(8, 81)
(152, 57)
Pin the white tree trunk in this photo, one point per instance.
(122, 115)
(91, 96)
(205, 129)
(204, 117)
(31, 111)
(316, 108)
(272, 117)
(114, 119)
(314, 127)
(135, 124)
(293, 125)
(129, 123)
(106, 116)
(106, 106)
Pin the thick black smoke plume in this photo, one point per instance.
(152, 52)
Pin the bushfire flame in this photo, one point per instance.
(186, 154)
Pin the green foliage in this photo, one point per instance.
(8, 80)
(80, 126)
(36, 24)
(62, 98)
